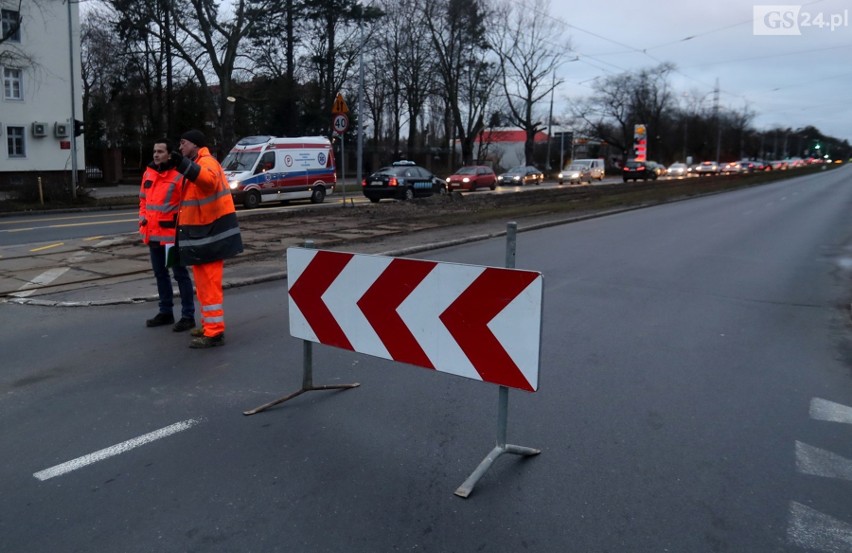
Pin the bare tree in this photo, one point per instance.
(467, 74)
(528, 61)
(334, 51)
(206, 36)
(274, 47)
(623, 100)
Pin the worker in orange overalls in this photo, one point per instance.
(207, 233)
(159, 200)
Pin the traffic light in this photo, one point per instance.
(79, 127)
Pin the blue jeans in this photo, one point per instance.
(164, 283)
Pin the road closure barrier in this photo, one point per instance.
(482, 323)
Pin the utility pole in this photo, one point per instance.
(718, 122)
(359, 118)
(73, 106)
(550, 123)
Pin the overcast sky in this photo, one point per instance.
(787, 80)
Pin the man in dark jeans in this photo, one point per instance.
(159, 200)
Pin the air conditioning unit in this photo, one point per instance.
(60, 130)
(39, 129)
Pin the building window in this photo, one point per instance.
(13, 84)
(15, 141)
(11, 25)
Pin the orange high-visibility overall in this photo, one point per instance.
(207, 234)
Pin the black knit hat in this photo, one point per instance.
(196, 137)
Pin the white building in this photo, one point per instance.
(37, 62)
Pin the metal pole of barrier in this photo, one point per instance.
(307, 373)
(502, 401)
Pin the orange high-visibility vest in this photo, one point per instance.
(207, 221)
(159, 200)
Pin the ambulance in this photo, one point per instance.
(271, 169)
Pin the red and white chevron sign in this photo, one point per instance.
(478, 322)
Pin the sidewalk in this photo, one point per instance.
(117, 191)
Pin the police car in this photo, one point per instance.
(403, 180)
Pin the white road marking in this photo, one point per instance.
(41, 280)
(821, 462)
(824, 410)
(50, 275)
(117, 449)
(811, 529)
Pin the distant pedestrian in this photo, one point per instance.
(159, 200)
(208, 232)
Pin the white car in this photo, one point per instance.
(707, 168)
(678, 170)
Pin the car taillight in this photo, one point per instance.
(392, 181)
(363, 182)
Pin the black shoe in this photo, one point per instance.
(161, 319)
(185, 323)
(196, 332)
(202, 342)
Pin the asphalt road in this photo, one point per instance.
(694, 396)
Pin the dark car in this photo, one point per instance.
(638, 170)
(521, 175)
(471, 177)
(404, 180)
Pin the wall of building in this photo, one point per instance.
(44, 54)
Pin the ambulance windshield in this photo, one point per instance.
(239, 160)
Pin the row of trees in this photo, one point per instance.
(435, 73)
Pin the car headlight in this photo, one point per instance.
(516, 177)
(560, 175)
(466, 179)
(234, 184)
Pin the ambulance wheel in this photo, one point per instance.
(318, 195)
(252, 199)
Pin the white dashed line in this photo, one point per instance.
(820, 462)
(824, 410)
(811, 529)
(808, 527)
(117, 449)
(41, 280)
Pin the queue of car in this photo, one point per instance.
(405, 180)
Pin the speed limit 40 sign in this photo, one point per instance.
(340, 123)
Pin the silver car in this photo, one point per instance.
(678, 169)
(576, 174)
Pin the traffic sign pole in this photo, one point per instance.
(343, 168)
(340, 123)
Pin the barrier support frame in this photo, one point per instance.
(502, 402)
(307, 374)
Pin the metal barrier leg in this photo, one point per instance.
(307, 369)
(502, 447)
(307, 381)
